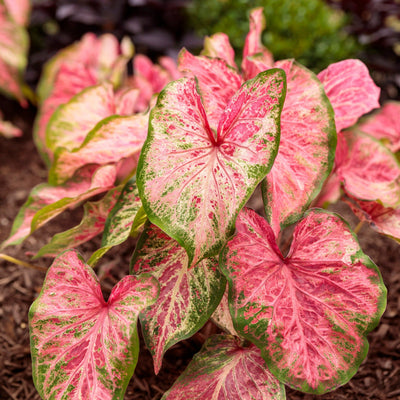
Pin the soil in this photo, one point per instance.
(21, 169)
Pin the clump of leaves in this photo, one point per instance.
(309, 31)
(180, 167)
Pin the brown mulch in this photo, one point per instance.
(20, 169)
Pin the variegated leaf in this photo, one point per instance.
(225, 370)
(110, 141)
(217, 82)
(202, 178)
(82, 346)
(306, 151)
(384, 124)
(187, 296)
(19, 10)
(46, 201)
(70, 124)
(351, 91)
(368, 170)
(14, 43)
(118, 224)
(222, 317)
(218, 46)
(308, 312)
(384, 220)
(253, 47)
(92, 224)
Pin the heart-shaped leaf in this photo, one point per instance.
(92, 224)
(187, 297)
(118, 225)
(203, 178)
(351, 91)
(308, 312)
(384, 220)
(225, 370)
(217, 82)
(46, 201)
(110, 141)
(368, 170)
(384, 124)
(82, 346)
(306, 151)
(19, 10)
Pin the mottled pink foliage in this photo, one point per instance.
(82, 346)
(308, 311)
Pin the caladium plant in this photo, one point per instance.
(179, 167)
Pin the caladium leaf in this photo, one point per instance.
(14, 42)
(217, 82)
(368, 170)
(384, 124)
(253, 46)
(203, 178)
(222, 317)
(187, 296)
(306, 151)
(225, 370)
(118, 224)
(92, 224)
(19, 10)
(69, 126)
(46, 201)
(308, 312)
(351, 91)
(83, 64)
(384, 220)
(218, 46)
(82, 346)
(111, 140)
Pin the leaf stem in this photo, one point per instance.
(22, 263)
(358, 227)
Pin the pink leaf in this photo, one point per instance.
(187, 296)
(46, 201)
(218, 46)
(82, 346)
(217, 82)
(350, 90)
(92, 224)
(203, 178)
(383, 219)
(69, 126)
(19, 10)
(308, 312)
(253, 46)
(110, 141)
(368, 170)
(76, 67)
(384, 125)
(225, 370)
(306, 150)
(222, 318)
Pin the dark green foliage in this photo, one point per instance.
(308, 30)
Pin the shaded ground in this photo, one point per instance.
(20, 169)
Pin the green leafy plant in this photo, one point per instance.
(309, 31)
(178, 167)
